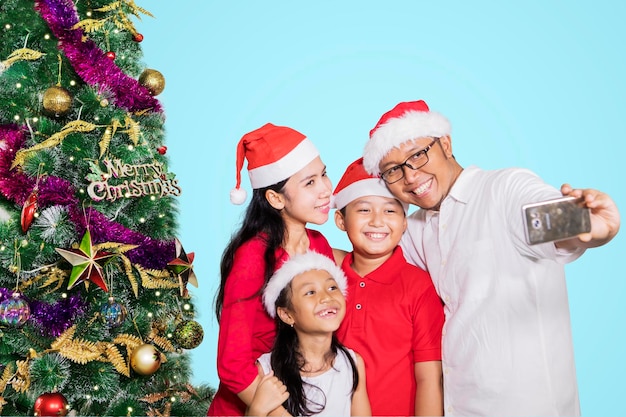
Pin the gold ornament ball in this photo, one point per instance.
(145, 360)
(57, 101)
(153, 81)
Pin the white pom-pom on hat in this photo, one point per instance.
(295, 266)
(238, 196)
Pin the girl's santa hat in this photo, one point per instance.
(356, 183)
(405, 122)
(274, 153)
(294, 266)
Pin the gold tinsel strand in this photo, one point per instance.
(128, 268)
(76, 126)
(22, 54)
(156, 280)
(117, 360)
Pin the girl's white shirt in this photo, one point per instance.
(335, 385)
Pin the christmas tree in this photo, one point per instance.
(95, 314)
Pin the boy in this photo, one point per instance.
(394, 316)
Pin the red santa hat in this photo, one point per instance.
(405, 122)
(356, 183)
(274, 153)
(294, 266)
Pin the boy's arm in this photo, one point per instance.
(360, 400)
(429, 392)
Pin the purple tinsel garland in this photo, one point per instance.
(52, 319)
(16, 186)
(89, 61)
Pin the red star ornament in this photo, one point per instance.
(86, 263)
(182, 266)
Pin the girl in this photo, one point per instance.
(314, 373)
(290, 189)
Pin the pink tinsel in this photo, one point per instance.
(89, 61)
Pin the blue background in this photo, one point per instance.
(536, 84)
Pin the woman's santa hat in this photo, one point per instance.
(405, 122)
(294, 266)
(356, 183)
(274, 153)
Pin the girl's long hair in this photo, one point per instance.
(260, 217)
(287, 361)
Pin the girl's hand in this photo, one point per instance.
(270, 394)
(605, 218)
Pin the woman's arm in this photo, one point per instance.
(429, 392)
(360, 400)
(236, 353)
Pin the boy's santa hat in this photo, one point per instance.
(294, 266)
(356, 183)
(274, 153)
(405, 122)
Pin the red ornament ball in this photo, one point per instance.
(137, 37)
(50, 404)
(111, 55)
(162, 149)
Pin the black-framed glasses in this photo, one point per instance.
(414, 162)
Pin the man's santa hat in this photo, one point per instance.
(294, 266)
(356, 183)
(405, 122)
(274, 153)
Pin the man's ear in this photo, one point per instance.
(284, 316)
(276, 199)
(446, 145)
(339, 220)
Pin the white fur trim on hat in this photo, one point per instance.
(362, 188)
(295, 266)
(285, 167)
(411, 125)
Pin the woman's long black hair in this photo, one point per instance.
(287, 361)
(260, 217)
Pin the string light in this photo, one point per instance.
(46, 36)
(7, 26)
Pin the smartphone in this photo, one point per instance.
(554, 220)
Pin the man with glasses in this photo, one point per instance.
(507, 345)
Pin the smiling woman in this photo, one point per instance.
(290, 189)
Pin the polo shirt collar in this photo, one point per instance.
(384, 274)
